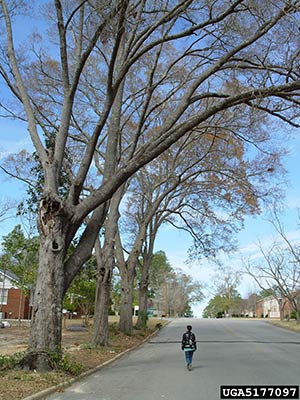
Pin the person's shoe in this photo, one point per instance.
(190, 367)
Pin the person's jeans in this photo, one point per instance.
(189, 356)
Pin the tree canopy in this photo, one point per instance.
(20, 256)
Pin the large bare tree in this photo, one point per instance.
(65, 85)
(187, 187)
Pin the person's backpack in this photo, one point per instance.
(189, 340)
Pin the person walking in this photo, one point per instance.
(189, 345)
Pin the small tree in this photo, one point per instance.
(81, 294)
(221, 305)
(20, 256)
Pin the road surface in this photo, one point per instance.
(230, 352)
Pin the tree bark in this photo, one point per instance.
(145, 269)
(143, 301)
(46, 327)
(128, 272)
(143, 292)
(127, 281)
(102, 303)
(296, 309)
(106, 261)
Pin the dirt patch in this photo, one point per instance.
(13, 340)
(77, 349)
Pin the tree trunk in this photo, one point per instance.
(22, 299)
(296, 309)
(144, 283)
(127, 281)
(127, 272)
(106, 261)
(100, 337)
(281, 310)
(45, 333)
(46, 325)
(143, 306)
(143, 295)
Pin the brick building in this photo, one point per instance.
(14, 303)
(272, 307)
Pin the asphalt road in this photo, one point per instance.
(230, 352)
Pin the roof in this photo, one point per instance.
(9, 275)
(294, 294)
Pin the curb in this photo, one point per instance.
(69, 382)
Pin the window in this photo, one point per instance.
(3, 296)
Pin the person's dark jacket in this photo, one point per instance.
(189, 341)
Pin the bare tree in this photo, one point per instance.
(278, 270)
(226, 282)
(177, 292)
(189, 183)
(6, 207)
(229, 50)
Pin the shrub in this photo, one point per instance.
(11, 361)
(63, 363)
(293, 315)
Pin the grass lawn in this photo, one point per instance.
(292, 325)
